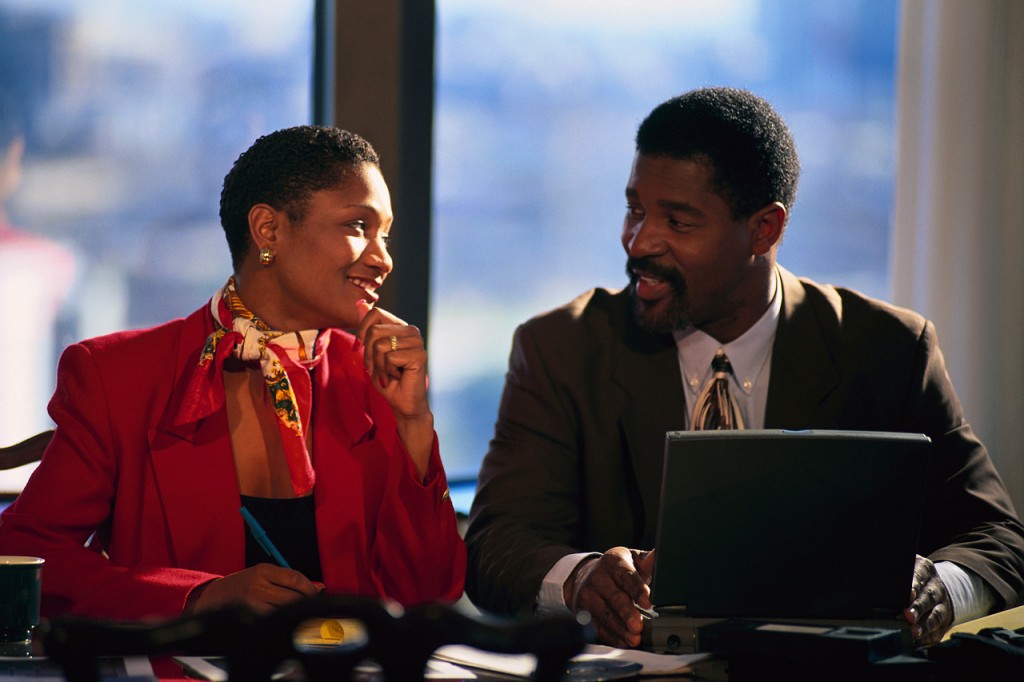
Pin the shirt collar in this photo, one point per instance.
(747, 354)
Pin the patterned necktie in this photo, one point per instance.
(716, 408)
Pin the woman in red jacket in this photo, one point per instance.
(256, 400)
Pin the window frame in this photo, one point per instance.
(380, 71)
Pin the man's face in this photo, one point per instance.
(689, 261)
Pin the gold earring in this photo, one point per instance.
(266, 256)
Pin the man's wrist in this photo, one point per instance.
(569, 586)
(970, 597)
(550, 598)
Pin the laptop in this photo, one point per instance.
(794, 528)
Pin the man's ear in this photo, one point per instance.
(263, 223)
(766, 227)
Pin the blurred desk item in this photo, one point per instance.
(326, 638)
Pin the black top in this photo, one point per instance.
(291, 526)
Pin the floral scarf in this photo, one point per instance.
(284, 358)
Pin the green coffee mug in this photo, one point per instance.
(20, 580)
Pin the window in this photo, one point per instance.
(132, 113)
(537, 105)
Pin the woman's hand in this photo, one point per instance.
(396, 360)
(261, 588)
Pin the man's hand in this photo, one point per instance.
(930, 611)
(609, 587)
(260, 588)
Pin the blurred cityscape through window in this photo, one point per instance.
(537, 105)
(131, 114)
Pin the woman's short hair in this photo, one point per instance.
(748, 146)
(283, 170)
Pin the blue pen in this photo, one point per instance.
(262, 538)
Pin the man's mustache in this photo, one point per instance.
(649, 267)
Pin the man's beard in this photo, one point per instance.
(659, 317)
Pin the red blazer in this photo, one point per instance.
(136, 502)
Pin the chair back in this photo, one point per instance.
(27, 451)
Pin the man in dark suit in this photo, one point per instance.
(570, 487)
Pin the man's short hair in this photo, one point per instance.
(749, 147)
(283, 170)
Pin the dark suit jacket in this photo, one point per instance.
(575, 463)
(145, 469)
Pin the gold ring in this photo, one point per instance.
(394, 343)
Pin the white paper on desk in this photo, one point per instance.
(44, 669)
(522, 665)
(204, 669)
(443, 670)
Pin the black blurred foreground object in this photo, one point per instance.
(991, 654)
(254, 647)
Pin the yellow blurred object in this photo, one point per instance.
(328, 632)
(1011, 619)
(333, 630)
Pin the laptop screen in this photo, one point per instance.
(789, 524)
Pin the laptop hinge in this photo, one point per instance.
(674, 610)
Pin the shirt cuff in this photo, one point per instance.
(551, 598)
(970, 595)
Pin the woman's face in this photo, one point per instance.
(335, 256)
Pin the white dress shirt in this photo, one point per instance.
(750, 357)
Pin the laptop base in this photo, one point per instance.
(855, 641)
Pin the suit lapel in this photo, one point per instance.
(347, 408)
(648, 373)
(198, 488)
(803, 373)
(194, 468)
